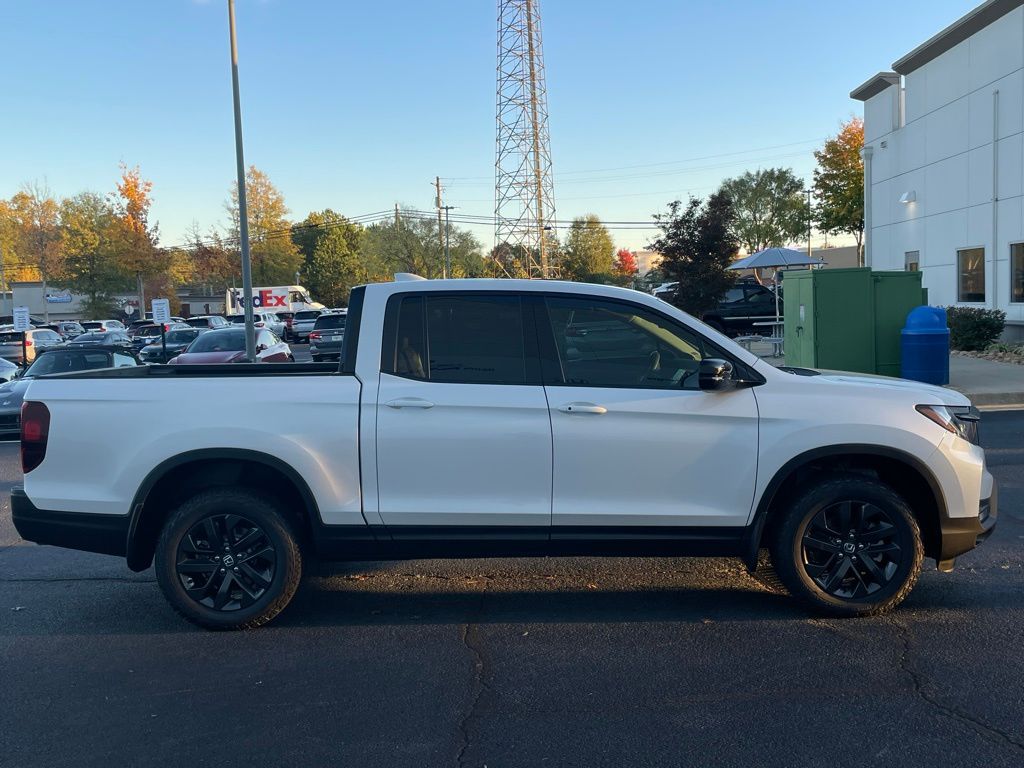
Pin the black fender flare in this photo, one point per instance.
(755, 530)
(139, 554)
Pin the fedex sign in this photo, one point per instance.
(264, 298)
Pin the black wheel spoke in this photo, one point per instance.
(223, 592)
(872, 569)
(882, 548)
(197, 567)
(266, 553)
(844, 513)
(836, 577)
(824, 546)
(190, 546)
(256, 576)
(882, 531)
(249, 539)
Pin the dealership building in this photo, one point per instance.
(944, 163)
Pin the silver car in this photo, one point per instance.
(303, 322)
(36, 340)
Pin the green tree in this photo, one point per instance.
(275, 257)
(769, 208)
(93, 244)
(336, 266)
(411, 244)
(589, 252)
(697, 245)
(839, 183)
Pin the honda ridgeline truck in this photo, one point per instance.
(477, 418)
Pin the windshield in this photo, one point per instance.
(307, 315)
(65, 362)
(240, 319)
(10, 338)
(148, 330)
(181, 337)
(92, 324)
(330, 321)
(90, 338)
(219, 341)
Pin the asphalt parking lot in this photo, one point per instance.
(575, 662)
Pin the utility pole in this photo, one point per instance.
(447, 243)
(3, 273)
(142, 296)
(440, 231)
(397, 223)
(808, 191)
(243, 209)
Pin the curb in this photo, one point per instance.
(1001, 399)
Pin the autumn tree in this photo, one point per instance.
(697, 244)
(275, 257)
(625, 264)
(589, 251)
(38, 222)
(212, 262)
(137, 239)
(769, 208)
(91, 234)
(839, 184)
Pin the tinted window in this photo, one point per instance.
(330, 321)
(220, 341)
(612, 344)
(181, 337)
(123, 361)
(461, 339)
(92, 325)
(307, 314)
(66, 362)
(240, 319)
(92, 338)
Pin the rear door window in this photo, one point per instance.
(464, 339)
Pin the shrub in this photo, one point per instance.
(973, 329)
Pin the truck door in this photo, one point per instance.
(636, 441)
(463, 434)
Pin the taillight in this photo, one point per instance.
(35, 430)
(314, 335)
(258, 325)
(28, 342)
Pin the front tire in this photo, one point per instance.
(226, 559)
(848, 546)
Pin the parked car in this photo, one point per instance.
(36, 340)
(227, 345)
(177, 340)
(103, 325)
(113, 338)
(465, 420)
(8, 370)
(266, 320)
(67, 329)
(150, 333)
(746, 303)
(286, 318)
(60, 360)
(303, 323)
(208, 322)
(326, 338)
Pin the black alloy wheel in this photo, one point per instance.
(226, 562)
(851, 549)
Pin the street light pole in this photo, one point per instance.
(243, 209)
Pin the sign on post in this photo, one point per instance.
(22, 322)
(161, 311)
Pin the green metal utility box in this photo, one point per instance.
(848, 319)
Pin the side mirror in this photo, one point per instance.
(715, 375)
(261, 348)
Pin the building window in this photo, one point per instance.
(971, 274)
(1017, 273)
(912, 261)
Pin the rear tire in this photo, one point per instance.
(848, 546)
(227, 559)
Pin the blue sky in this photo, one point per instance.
(358, 105)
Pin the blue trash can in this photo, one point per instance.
(924, 346)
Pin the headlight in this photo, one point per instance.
(961, 420)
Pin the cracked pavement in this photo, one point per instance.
(569, 662)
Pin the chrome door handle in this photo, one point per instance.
(409, 402)
(582, 408)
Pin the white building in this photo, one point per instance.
(944, 162)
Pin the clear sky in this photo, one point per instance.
(358, 105)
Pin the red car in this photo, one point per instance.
(227, 345)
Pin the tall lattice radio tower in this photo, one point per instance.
(524, 200)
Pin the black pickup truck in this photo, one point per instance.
(743, 305)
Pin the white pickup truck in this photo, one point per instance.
(477, 418)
